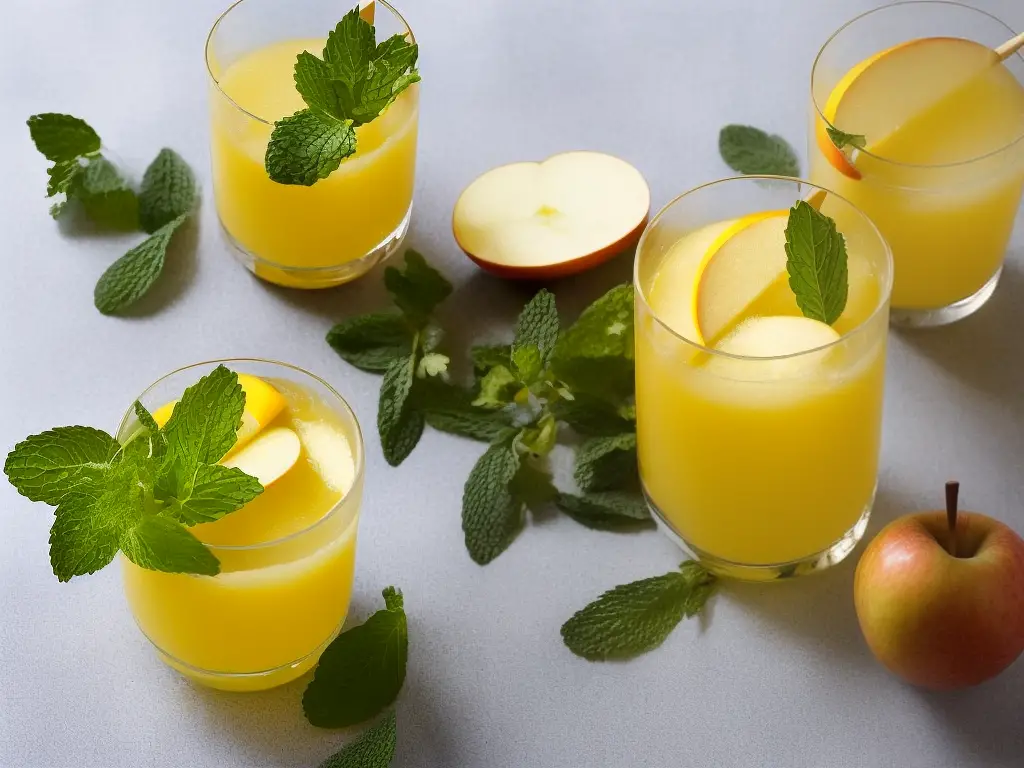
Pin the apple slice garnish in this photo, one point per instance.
(551, 219)
(268, 456)
(780, 338)
(329, 452)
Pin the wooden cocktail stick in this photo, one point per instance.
(1010, 47)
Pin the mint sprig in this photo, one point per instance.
(604, 463)
(607, 510)
(361, 672)
(139, 497)
(635, 618)
(750, 150)
(129, 278)
(375, 748)
(351, 85)
(817, 263)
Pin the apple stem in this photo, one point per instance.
(952, 499)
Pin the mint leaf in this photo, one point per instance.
(62, 137)
(60, 462)
(591, 416)
(417, 289)
(168, 191)
(842, 139)
(131, 276)
(307, 147)
(497, 388)
(606, 463)
(349, 49)
(313, 82)
(391, 71)
(88, 522)
(635, 618)
(106, 196)
(372, 342)
(595, 354)
(361, 672)
(528, 362)
(487, 356)
(750, 150)
(211, 492)
(62, 178)
(375, 748)
(540, 438)
(204, 423)
(399, 425)
(817, 263)
(156, 439)
(532, 483)
(450, 409)
(537, 325)
(162, 544)
(491, 516)
(608, 510)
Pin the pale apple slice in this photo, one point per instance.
(329, 452)
(779, 341)
(747, 259)
(269, 456)
(554, 218)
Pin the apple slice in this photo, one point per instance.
(551, 219)
(330, 453)
(743, 263)
(268, 456)
(780, 339)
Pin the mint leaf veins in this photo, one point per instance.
(817, 263)
(373, 749)
(351, 85)
(129, 278)
(168, 191)
(750, 150)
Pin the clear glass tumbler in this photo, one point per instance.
(340, 227)
(762, 467)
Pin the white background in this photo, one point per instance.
(779, 676)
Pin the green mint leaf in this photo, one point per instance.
(62, 137)
(607, 463)
(528, 363)
(391, 71)
(161, 544)
(817, 263)
(212, 492)
(538, 325)
(87, 526)
(399, 425)
(313, 82)
(60, 462)
(842, 139)
(372, 342)
(204, 423)
(635, 618)
(450, 409)
(417, 289)
(131, 276)
(63, 177)
(375, 748)
(595, 354)
(608, 510)
(105, 195)
(532, 484)
(361, 672)
(750, 150)
(307, 147)
(497, 388)
(488, 356)
(591, 416)
(491, 516)
(168, 191)
(350, 48)
(540, 439)
(156, 439)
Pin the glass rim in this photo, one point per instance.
(883, 300)
(357, 452)
(227, 12)
(903, 3)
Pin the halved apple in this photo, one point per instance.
(269, 456)
(779, 339)
(551, 219)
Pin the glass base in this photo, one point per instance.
(319, 277)
(932, 318)
(819, 561)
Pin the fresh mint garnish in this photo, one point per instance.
(491, 515)
(62, 138)
(635, 618)
(129, 278)
(373, 749)
(351, 85)
(841, 139)
(817, 263)
(107, 198)
(399, 425)
(135, 497)
(361, 672)
(750, 150)
(372, 342)
(168, 191)
(607, 510)
(604, 463)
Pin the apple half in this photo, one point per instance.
(539, 221)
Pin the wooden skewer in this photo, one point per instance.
(1010, 47)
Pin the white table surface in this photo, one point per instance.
(779, 676)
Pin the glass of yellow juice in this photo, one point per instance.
(916, 120)
(341, 226)
(287, 558)
(758, 429)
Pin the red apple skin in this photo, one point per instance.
(939, 621)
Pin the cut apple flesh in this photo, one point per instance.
(268, 456)
(554, 218)
(329, 452)
(780, 342)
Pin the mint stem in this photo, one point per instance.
(952, 499)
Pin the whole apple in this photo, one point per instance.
(938, 619)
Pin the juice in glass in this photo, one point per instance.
(341, 226)
(758, 429)
(287, 558)
(942, 163)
